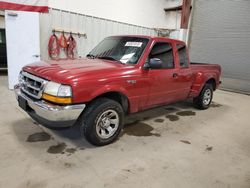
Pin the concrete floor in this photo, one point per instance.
(174, 146)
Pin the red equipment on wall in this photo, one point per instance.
(63, 41)
(71, 46)
(67, 44)
(53, 47)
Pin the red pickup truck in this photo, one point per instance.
(121, 75)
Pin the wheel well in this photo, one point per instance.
(118, 97)
(212, 82)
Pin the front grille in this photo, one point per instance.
(32, 85)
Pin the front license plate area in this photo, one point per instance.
(22, 103)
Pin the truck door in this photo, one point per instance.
(164, 85)
(184, 73)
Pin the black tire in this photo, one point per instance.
(199, 101)
(91, 116)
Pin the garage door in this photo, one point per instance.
(220, 33)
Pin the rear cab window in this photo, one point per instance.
(183, 56)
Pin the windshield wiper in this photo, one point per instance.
(109, 58)
(91, 56)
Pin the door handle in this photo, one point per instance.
(175, 75)
(36, 55)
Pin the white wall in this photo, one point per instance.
(147, 13)
(173, 18)
(174, 22)
(95, 28)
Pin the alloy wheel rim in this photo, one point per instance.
(207, 97)
(107, 124)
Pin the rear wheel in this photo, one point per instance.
(102, 121)
(205, 97)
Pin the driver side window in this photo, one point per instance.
(164, 52)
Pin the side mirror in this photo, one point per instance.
(154, 63)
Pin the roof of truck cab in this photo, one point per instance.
(149, 37)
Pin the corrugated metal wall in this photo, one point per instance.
(95, 28)
(220, 33)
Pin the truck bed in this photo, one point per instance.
(205, 66)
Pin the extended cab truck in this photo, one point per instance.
(121, 75)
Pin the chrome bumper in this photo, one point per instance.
(51, 112)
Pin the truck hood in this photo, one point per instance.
(66, 71)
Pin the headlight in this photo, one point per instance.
(52, 88)
(55, 89)
(20, 78)
(57, 93)
(64, 91)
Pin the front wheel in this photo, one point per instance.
(102, 121)
(205, 98)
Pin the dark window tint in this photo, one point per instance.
(164, 52)
(2, 36)
(182, 51)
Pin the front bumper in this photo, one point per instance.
(49, 114)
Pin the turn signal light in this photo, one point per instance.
(59, 100)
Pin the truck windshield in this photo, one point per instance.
(126, 50)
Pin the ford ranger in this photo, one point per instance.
(120, 76)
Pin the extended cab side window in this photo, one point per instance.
(182, 51)
(164, 52)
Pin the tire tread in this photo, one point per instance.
(198, 101)
(89, 117)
